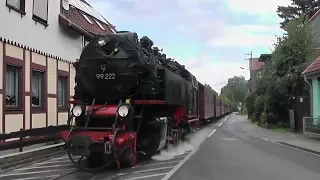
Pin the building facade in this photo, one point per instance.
(39, 40)
(312, 72)
(254, 66)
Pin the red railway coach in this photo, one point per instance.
(206, 103)
(218, 107)
(209, 104)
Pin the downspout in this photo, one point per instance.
(310, 94)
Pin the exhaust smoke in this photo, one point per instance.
(192, 142)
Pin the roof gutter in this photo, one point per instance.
(310, 93)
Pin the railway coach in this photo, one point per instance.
(210, 105)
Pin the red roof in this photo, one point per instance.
(255, 64)
(77, 17)
(314, 16)
(313, 67)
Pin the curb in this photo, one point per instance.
(281, 143)
(12, 160)
(256, 136)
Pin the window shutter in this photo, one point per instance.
(40, 9)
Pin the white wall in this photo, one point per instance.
(54, 40)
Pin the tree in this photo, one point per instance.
(281, 80)
(296, 9)
(235, 91)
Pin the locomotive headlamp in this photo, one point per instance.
(102, 42)
(123, 111)
(76, 111)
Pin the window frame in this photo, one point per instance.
(40, 19)
(43, 89)
(20, 85)
(65, 79)
(21, 9)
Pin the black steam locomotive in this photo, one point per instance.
(129, 98)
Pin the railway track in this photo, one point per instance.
(61, 168)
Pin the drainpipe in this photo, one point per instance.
(310, 94)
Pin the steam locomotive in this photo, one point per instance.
(130, 99)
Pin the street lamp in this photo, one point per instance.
(244, 68)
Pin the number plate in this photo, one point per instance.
(106, 76)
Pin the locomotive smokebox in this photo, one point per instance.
(108, 69)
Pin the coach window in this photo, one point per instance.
(37, 89)
(13, 77)
(62, 92)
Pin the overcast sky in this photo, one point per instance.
(210, 37)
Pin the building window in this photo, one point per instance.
(100, 25)
(18, 5)
(85, 41)
(37, 89)
(87, 18)
(40, 11)
(13, 77)
(62, 92)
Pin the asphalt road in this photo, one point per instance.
(225, 153)
(230, 154)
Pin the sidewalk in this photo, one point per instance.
(288, 138)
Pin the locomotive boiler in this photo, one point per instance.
(129, 99)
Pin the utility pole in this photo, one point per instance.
(250, 80)
(248, 55)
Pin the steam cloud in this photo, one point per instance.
(192, 141)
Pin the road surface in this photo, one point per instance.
(226, 153)
(231, 154)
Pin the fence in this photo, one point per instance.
(31, 137)
(311, 127)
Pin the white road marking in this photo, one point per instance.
(50, 162)
(154, 164)
(229, 139)
(221, 123)
(149, 176)
(38, 177)
(35, 172)
(211, 133)
(39, 167)
(175, 169)
(155, 169)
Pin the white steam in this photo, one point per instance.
(192, 141)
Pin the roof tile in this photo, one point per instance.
(76, 17)
(314, 66)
